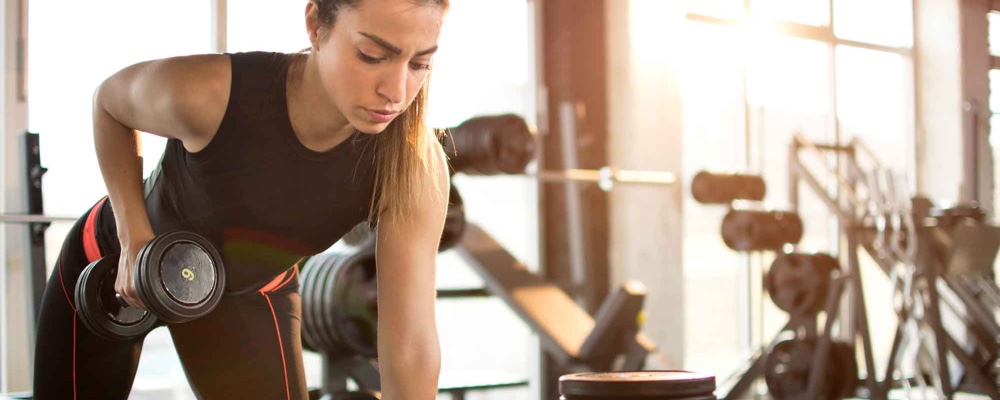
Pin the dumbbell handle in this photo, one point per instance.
(121, 300)
(118, 296)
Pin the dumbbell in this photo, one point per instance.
(718, 188)
(491, 145)
(759, 230)
(787, 366)
(646, 385)
(454, 225)
(179, 277)
(340, 301)
(798, 282)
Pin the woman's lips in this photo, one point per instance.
(381, 116)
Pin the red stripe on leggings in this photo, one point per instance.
(280, 281)
(281, 346)
(74, 354)
(63, 284)
(277, 283)
(90, 247)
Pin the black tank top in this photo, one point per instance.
(256, 191)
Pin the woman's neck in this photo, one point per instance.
(315, 119)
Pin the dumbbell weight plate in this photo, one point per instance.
(308, 336)
(788, 363)
(786, 368)
(100, 311)
(454, 223)
(357, 294)
(757, 230)
(846, 362)
(182, 277)
(798, 282)
(638, 385)
(326, 318)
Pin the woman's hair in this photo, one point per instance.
(407, 150)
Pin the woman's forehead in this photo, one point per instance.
(407, 24)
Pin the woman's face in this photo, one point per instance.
(376, 57)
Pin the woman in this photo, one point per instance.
(273, 157)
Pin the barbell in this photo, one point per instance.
(34, 218)
(506, 145)
(607, 177)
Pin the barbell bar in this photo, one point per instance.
(607, 177)
(34, 218)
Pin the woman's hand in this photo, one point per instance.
(125, 281)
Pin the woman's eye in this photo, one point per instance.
(419, 66)
(368, 59)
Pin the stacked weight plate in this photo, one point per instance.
(339, 301)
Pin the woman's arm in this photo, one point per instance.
(182, 98)
(409, 352)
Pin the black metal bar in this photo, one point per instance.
(934, 317)
(462, 293)
(821, 192)
(972, 370)
(35, 267)
(752, 369)
(821, 357)
(989, 332)
(888, 378)
(860, 315)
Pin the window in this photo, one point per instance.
(754, 74)
(994, 78)
(92, 41)
(266, 25)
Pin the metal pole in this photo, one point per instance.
(574, 204)
(219, 29)
(607, 177)
(31, 219)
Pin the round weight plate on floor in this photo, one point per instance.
(637, 384)
(99, 309)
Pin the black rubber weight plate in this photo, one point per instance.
(637, 384)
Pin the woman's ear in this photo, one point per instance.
(312, 24)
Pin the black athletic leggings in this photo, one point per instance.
(248, 347)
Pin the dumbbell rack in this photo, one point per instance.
(803, 326)
(802, 284)
(859, 234)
